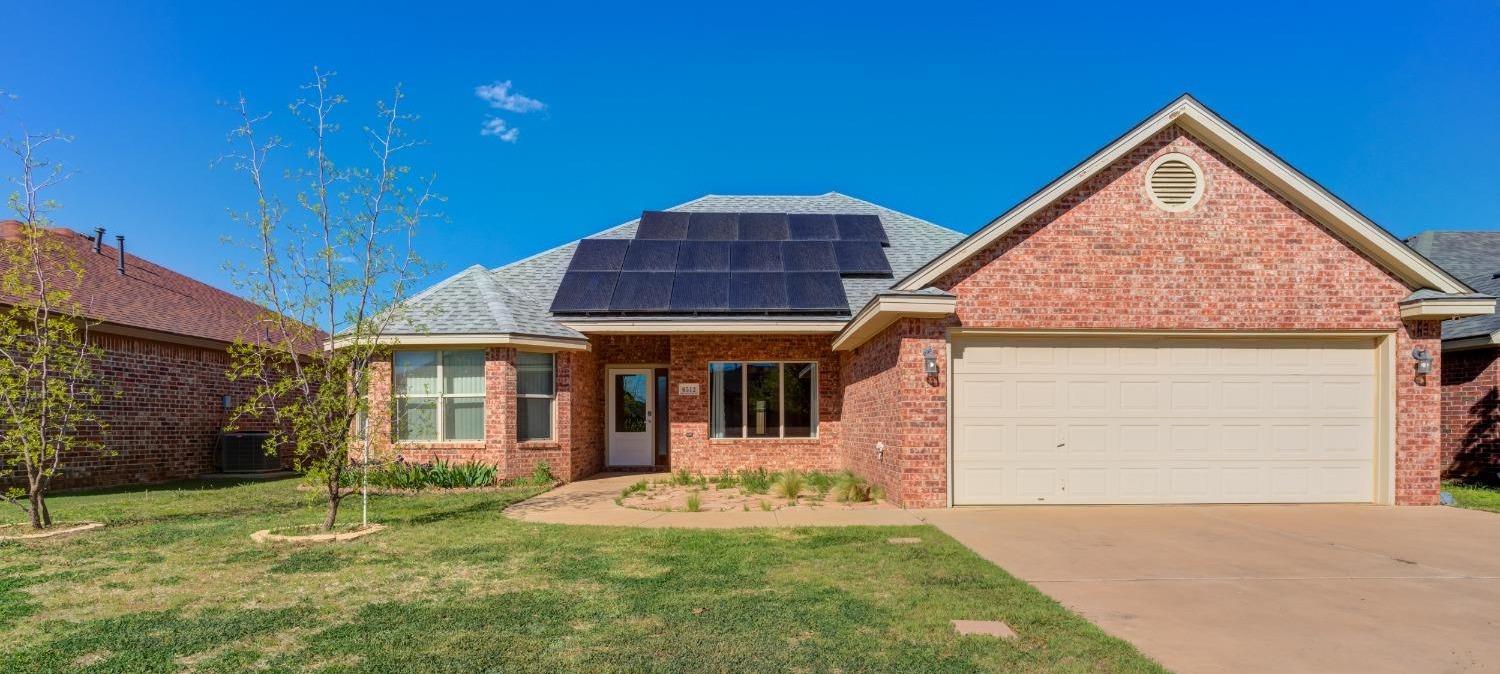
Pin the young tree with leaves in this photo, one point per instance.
(331, 268)
(49, 392)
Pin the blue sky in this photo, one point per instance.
(951, 112)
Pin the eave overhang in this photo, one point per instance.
(885, 309)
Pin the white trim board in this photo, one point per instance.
(1208, 127)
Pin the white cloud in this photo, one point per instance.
(500, 97)
(497, 127)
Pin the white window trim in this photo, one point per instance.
(551, 407)
(442, 431)
(780, 395)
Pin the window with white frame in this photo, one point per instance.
(439, 395)
(763, 400)
(536, 390)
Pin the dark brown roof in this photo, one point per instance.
(149, 296)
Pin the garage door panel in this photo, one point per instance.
(1163, 420)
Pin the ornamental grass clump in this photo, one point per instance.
(851, 488)
(789, 485)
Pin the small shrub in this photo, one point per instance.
(542, 473)
(820, 482)
(789, 485)
(725, 480)
(765, 505)
(633, 489)
(755, 481)
(682, 478)
(694, 503)
(851, 488)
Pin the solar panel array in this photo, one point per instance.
(725, 263)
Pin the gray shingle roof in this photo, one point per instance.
(1472, 257)
(913, 243)
(474, 302)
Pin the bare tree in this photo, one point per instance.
(333, 265)
(49, 393)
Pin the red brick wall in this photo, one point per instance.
(499, 448)
(692, 449)
(165, 421)
(1105, 257)
(1471, 411)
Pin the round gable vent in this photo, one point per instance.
(1175, 182)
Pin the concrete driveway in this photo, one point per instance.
(1305, 588)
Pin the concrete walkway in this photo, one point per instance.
(592, 501)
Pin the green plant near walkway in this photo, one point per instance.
(174, 584)
(1476, 497)
(634, 488)
(789, 485)
(694, 502)
(851, 488)
(755, 480)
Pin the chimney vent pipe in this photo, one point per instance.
(120, 244)
(98, 239)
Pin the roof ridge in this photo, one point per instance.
(602, 231)
(887, 208)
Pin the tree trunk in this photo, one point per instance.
(36, 509)
(46, 512)
(333, 509)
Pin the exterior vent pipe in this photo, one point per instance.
(98, 239)
(120, 243)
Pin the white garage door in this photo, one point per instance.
(1163, 420)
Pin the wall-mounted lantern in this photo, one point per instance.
(929, 361)
(1424, 360)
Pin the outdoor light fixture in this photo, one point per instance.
(228, 403)
(1424, 360)
(929, 361)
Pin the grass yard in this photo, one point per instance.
(174, 584)
(1475, 498)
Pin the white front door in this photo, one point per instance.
(631, 420)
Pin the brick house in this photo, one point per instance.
(1182, 318)
(164, 338)
(1471, 357)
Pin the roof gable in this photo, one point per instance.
(1208, 127)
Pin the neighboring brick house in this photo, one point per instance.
(1471, 357)
(1182, 318)
(164, 338)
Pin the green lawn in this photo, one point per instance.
(174, 584)
(1476, 498)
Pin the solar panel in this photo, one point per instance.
(713, 226)
(861, 257)
(808, 256)
(815, 291)
(812, 226)
(642, 291)
(763, 227)
(662, 225)
(599, 255)
(757, 291)
(700, 291)
(855, 227)
(703, 256)
(645, 255)
(583, 291)
(755, 256)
